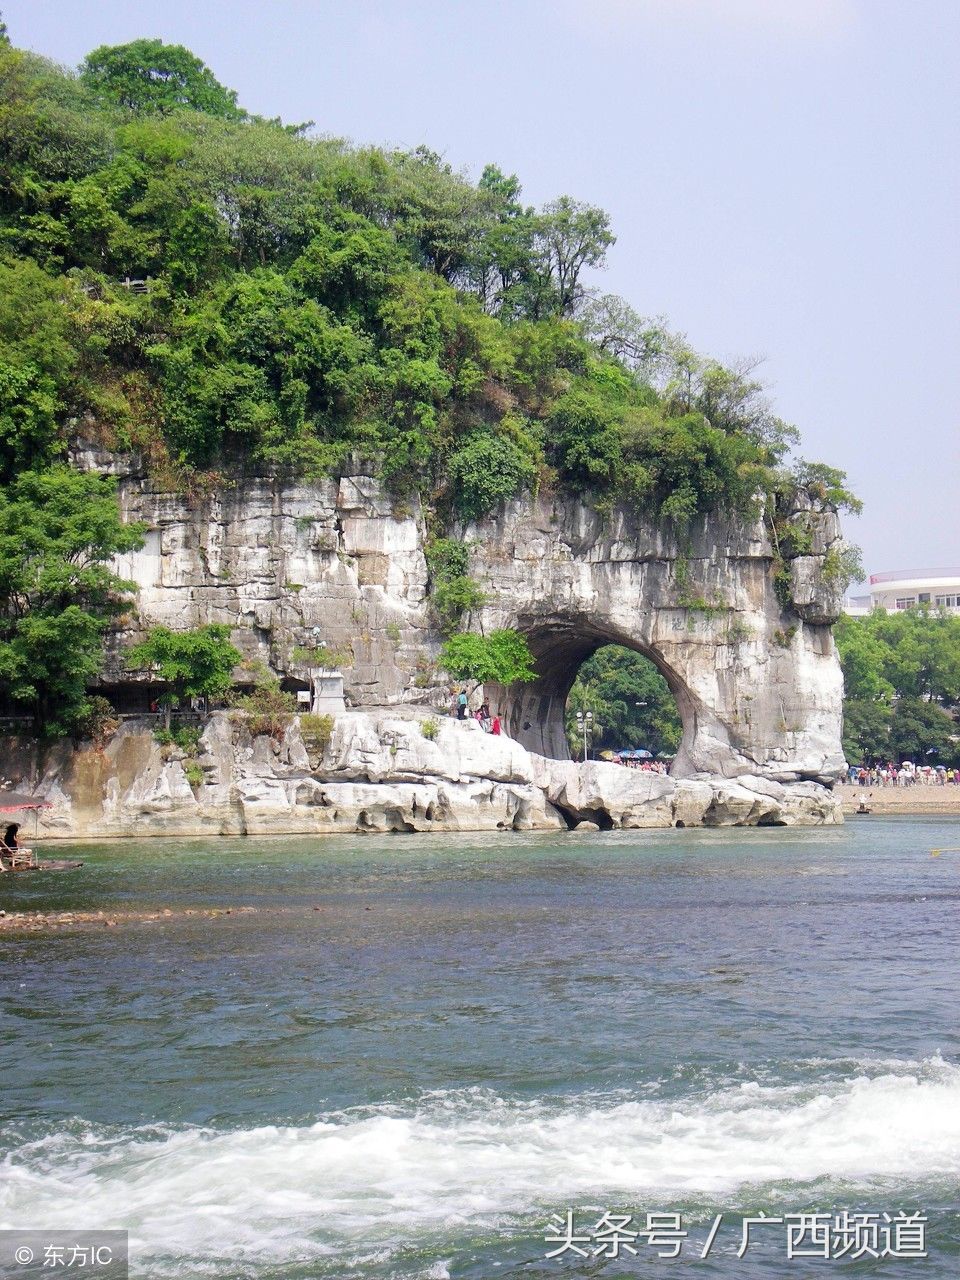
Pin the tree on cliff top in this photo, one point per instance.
(150, 77)
(311, 301)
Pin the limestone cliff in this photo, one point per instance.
(376, 773)
(754, 672)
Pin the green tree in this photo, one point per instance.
(150, 76)
(913, 653)
(437, 212)
(570, 236)
(616, 329)
(826, 483)
(501, 258)
(922, 732)
(28, 428)
(866, 730)
(488, 470)
(901, 679)
(59, 530)
(38, 323)
(862, 657)
(503, 657)
(197, 663)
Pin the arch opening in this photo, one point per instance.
(535, 714)
(620, 703)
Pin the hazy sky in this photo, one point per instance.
(782, 176)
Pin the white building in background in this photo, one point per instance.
(907, 588)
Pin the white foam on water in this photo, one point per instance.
(365, 1182)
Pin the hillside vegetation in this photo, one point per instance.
(309, 300)
(227, 294)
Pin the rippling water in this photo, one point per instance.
(417, 1049)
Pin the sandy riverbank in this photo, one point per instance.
(906, 800)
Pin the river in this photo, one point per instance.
(419, 1051)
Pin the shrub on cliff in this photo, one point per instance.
(485, 472)
(268, 710)
(453, 593)
(503, 657)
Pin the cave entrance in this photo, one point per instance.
(536, 714)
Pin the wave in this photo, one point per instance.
(389, 1176)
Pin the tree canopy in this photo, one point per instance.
(503, 657)
(306, 301)
(902, 682)
(150, 76)
(630, 700)
(59, 530)
(195, 664)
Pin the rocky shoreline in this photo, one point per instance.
(392, 770)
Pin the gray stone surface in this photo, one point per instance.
(377, 774)
(756, 680)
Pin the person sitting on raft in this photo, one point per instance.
(11, 845)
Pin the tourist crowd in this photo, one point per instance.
(906, 774)
(647, 766)
(460, 707)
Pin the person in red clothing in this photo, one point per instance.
(495, 727)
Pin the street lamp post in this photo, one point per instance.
(585, 726)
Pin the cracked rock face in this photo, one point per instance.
(377, 774)
(755, 676)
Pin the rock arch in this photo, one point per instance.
(744, 642)
(754, 674)
(535, 713)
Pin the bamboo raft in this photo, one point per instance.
(26, 860)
